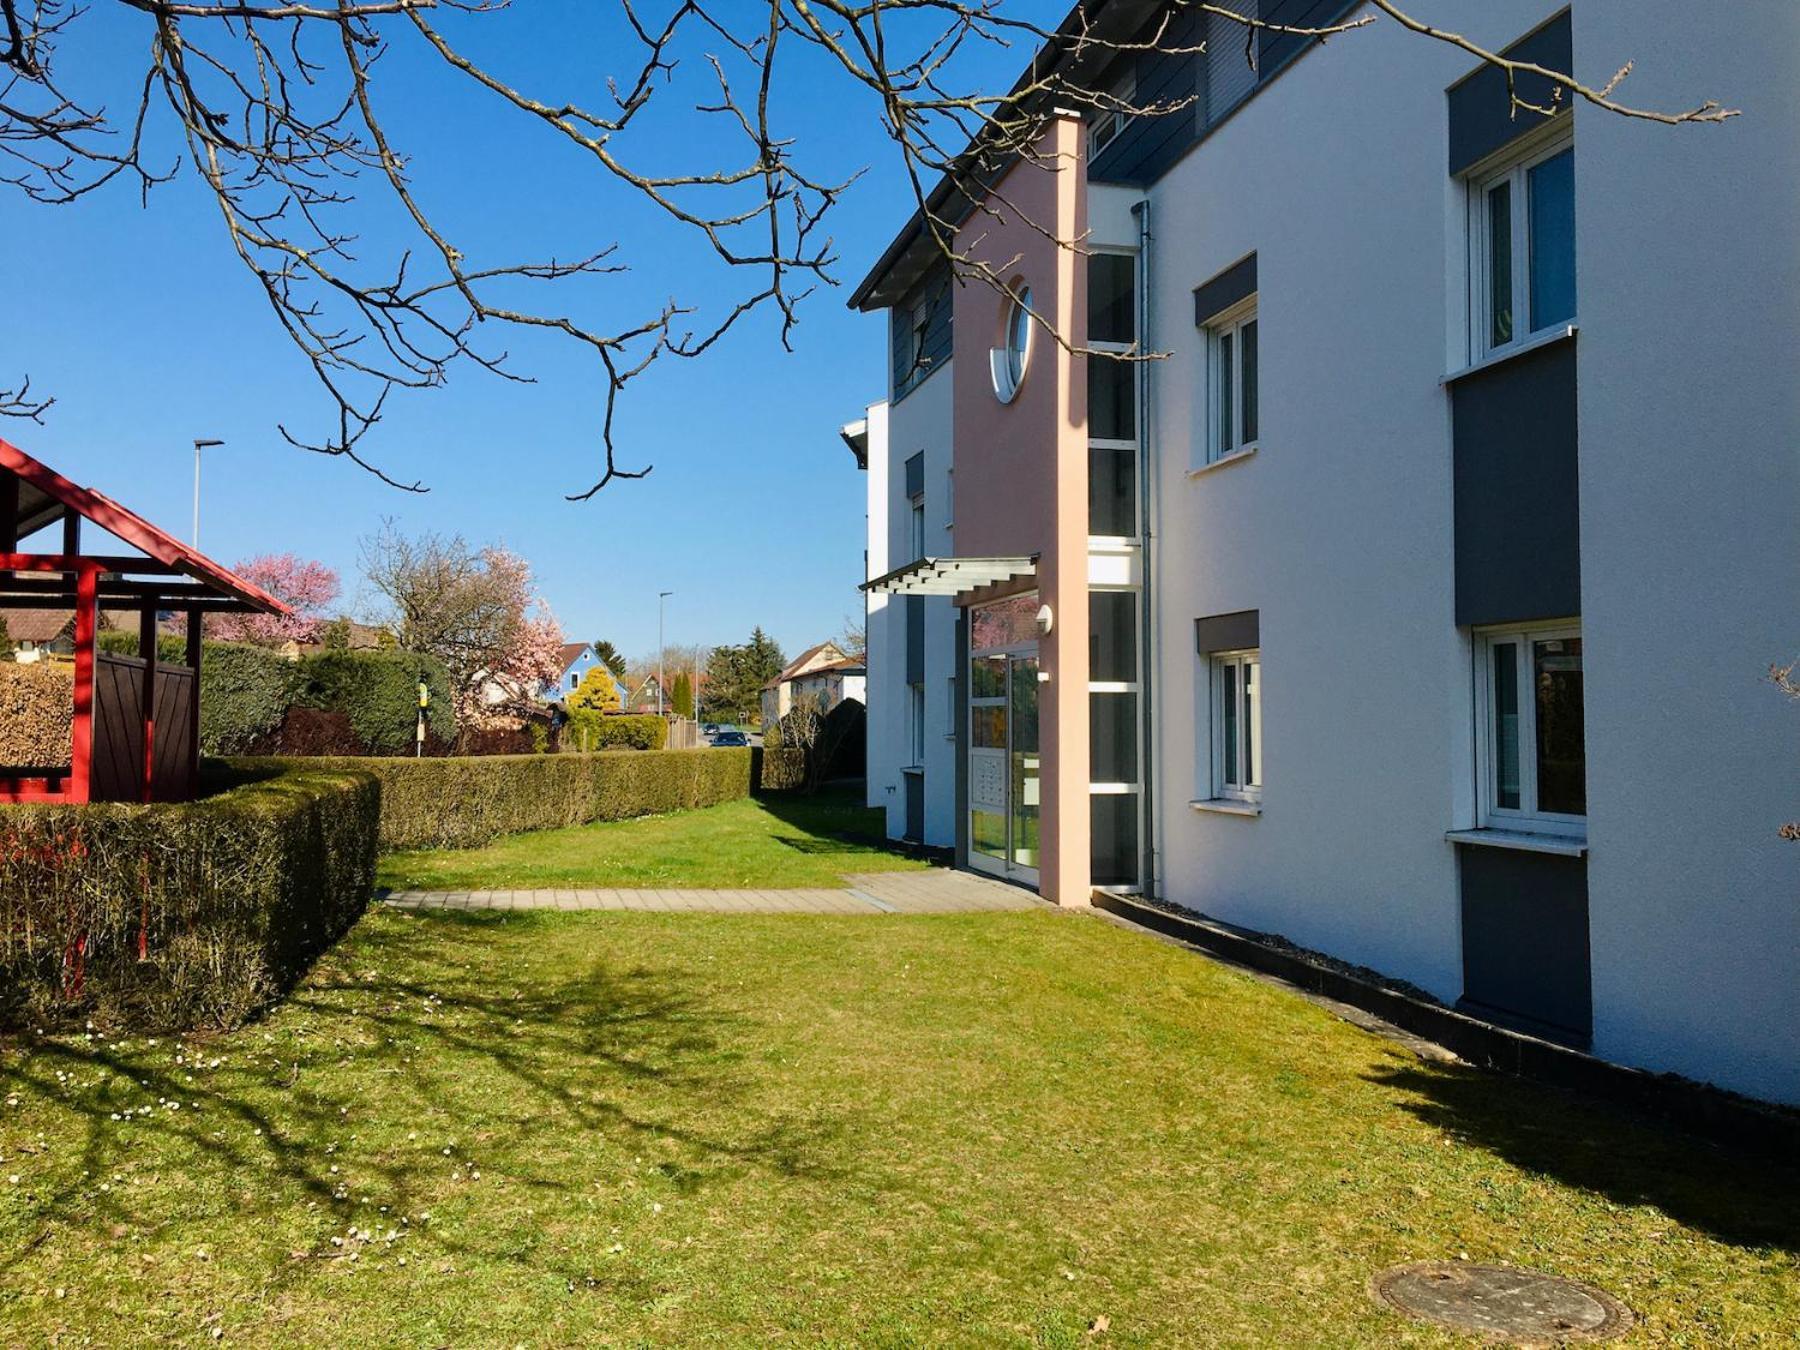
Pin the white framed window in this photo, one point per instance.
(1007, 362)
(574, 680)
(1237, 725)
(918, 526)
(915, 714)
(1530, 742)
(1232, 416)
(1112, 382)
(1522, 246)
(1108, 122)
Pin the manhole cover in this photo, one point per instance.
(1503, 1303)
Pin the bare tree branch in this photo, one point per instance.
(278, 109)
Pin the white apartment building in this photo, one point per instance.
(1416, 603)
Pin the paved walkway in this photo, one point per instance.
(939, 891)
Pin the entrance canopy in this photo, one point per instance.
(951, 576)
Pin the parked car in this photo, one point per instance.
(731, 738)
(710, 729)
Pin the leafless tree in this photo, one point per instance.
(470, 608)
(278, 108)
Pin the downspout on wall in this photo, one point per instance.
(1150, 642)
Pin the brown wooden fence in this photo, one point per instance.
(118, 764)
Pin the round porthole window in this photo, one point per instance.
(1010, 359)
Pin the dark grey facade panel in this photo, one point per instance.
(1482, 116)
(1525, 939)
(1146, 148)
(1151, 146)
(1517, 503)
(907, 373)
(1235, 283)
(1275, 49)
(1237, 632)
(915, 639)
(915, 474)
(915, 807)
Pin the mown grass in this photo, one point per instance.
(759, 843)
(646, 1129)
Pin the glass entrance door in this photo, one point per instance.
(1004, 764)
(1022, 710)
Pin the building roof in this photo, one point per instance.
(806, 663)
(1086, 36)
(571, 653)
(36, 626)
(44, 497)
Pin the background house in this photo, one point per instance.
(37, 633)
(643, 697)
(578, 658)
(825, 673)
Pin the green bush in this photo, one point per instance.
(181, 915)
(587, 730)
(467, 802)
(379, 692)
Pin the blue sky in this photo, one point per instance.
(149, 334)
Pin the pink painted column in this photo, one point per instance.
(1022, 467)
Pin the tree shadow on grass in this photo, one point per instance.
(1736, 1197)
(407, 1024)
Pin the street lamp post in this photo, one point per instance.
(661, 648)
(200, 443)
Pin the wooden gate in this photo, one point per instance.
(119, 729)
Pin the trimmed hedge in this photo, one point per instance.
(181, 915)
(467, 802)
(37, 715)
(587, 730)
(379, 692)
(783, 768)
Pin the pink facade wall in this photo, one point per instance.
(1022, 467)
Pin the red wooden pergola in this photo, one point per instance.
(136, 699)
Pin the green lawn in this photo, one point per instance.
(758, 843)
(649, 1129)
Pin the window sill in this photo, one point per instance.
(1563, 845)
(1505, 354)
(1224, 461)
(912, 768)
(1227, 806)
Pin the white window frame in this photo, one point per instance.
(1249, 725)
(1108, 124)
(1525, 818)
(916, 524)
(1230, 324)
(1513, 170)
(1137, 410)
(915, 716)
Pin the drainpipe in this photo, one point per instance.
(1150, 644)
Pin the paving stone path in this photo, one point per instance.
(939, 891)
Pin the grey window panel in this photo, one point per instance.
(1235, 284)
(1525, 940)
(1239, 632)
(915, 639)
(915, 475)
(1516, 489)
(1482, 117)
